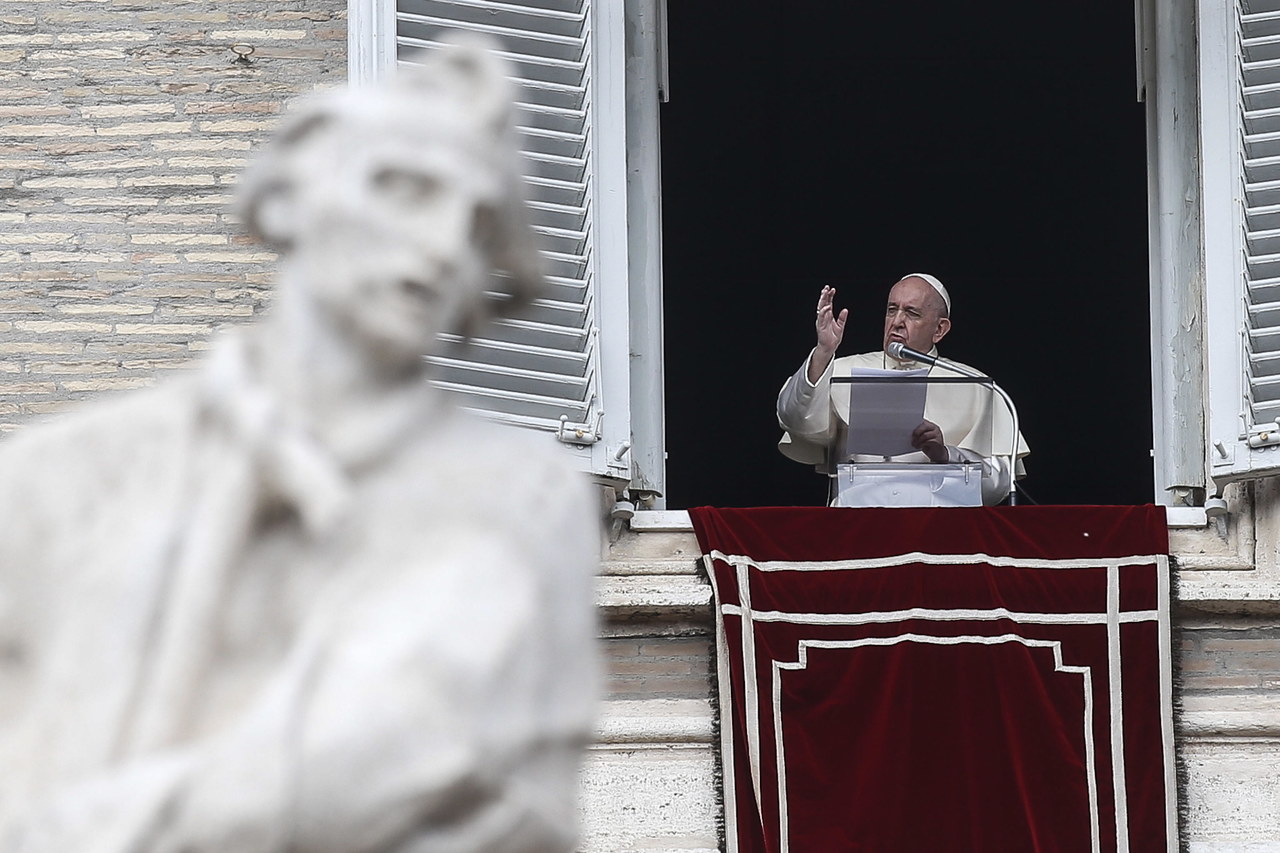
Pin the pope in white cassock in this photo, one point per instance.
(966, 426)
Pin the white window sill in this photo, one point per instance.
(677, 520)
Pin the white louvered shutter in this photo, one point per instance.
(1240, 142)
(555, 365)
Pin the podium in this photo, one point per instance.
(870, 461)
(906, 484)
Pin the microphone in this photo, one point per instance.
(899, 350)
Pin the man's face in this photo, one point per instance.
(913, 315)
(392, 232)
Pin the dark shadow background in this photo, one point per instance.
(996, 145)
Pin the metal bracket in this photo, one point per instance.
(1265, 435)
(581, 434)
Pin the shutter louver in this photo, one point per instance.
(1260, 115)
(540, 368)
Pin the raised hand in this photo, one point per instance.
(830, 329)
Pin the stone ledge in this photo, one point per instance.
(653, 597)
(654, 722)
(1224, 716)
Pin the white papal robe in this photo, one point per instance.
(975, 424)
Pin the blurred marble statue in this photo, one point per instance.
(294, 600)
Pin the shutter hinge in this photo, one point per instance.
(1265, 435)
(579, 433)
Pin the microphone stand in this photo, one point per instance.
(897, 349)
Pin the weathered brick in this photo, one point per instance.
(207, 162)
(163, 329)
(170, 291)
(41, 237)
(180, 239)
(157, 363)
(32, 111)
(40, 348)
(218, 310)
(113, 164)
(1247, 645)
(119, 348)
(111, 201)
(50, 407)
(173, 218)
(211, 199)
(298, 16)
(80, 293)
(106, 308)
(127, 110)
(114, 383)
(147, 128)
(224, 107)
(11, 388)
(238, 87)
(45, 327)
(73, 367)
(185, 88)
(69, 148)
(247, 36)
(185, 17)
(112, 37)
(231, 257)
(26, 39)
(81, 55)
(79, 218)
(99, 182)
(40, 130)
(77, 257)
(235, 126)
(202, 144)
(170, 181)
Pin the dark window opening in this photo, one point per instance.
(998, 147)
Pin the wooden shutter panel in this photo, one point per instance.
(1239, 48)
(542, 368)
(1260, 126)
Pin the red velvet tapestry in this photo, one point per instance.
(993, 679)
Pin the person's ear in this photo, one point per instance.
(944, 326)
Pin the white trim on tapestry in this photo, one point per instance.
(725, 691)
(873, 617)
(933, 560)
(1117, 709)
(802, 662)
(749, 694)
(1165, 639)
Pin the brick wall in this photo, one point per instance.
(123, 125)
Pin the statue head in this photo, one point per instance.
(391, 205)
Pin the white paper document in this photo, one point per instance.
(882, 415)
